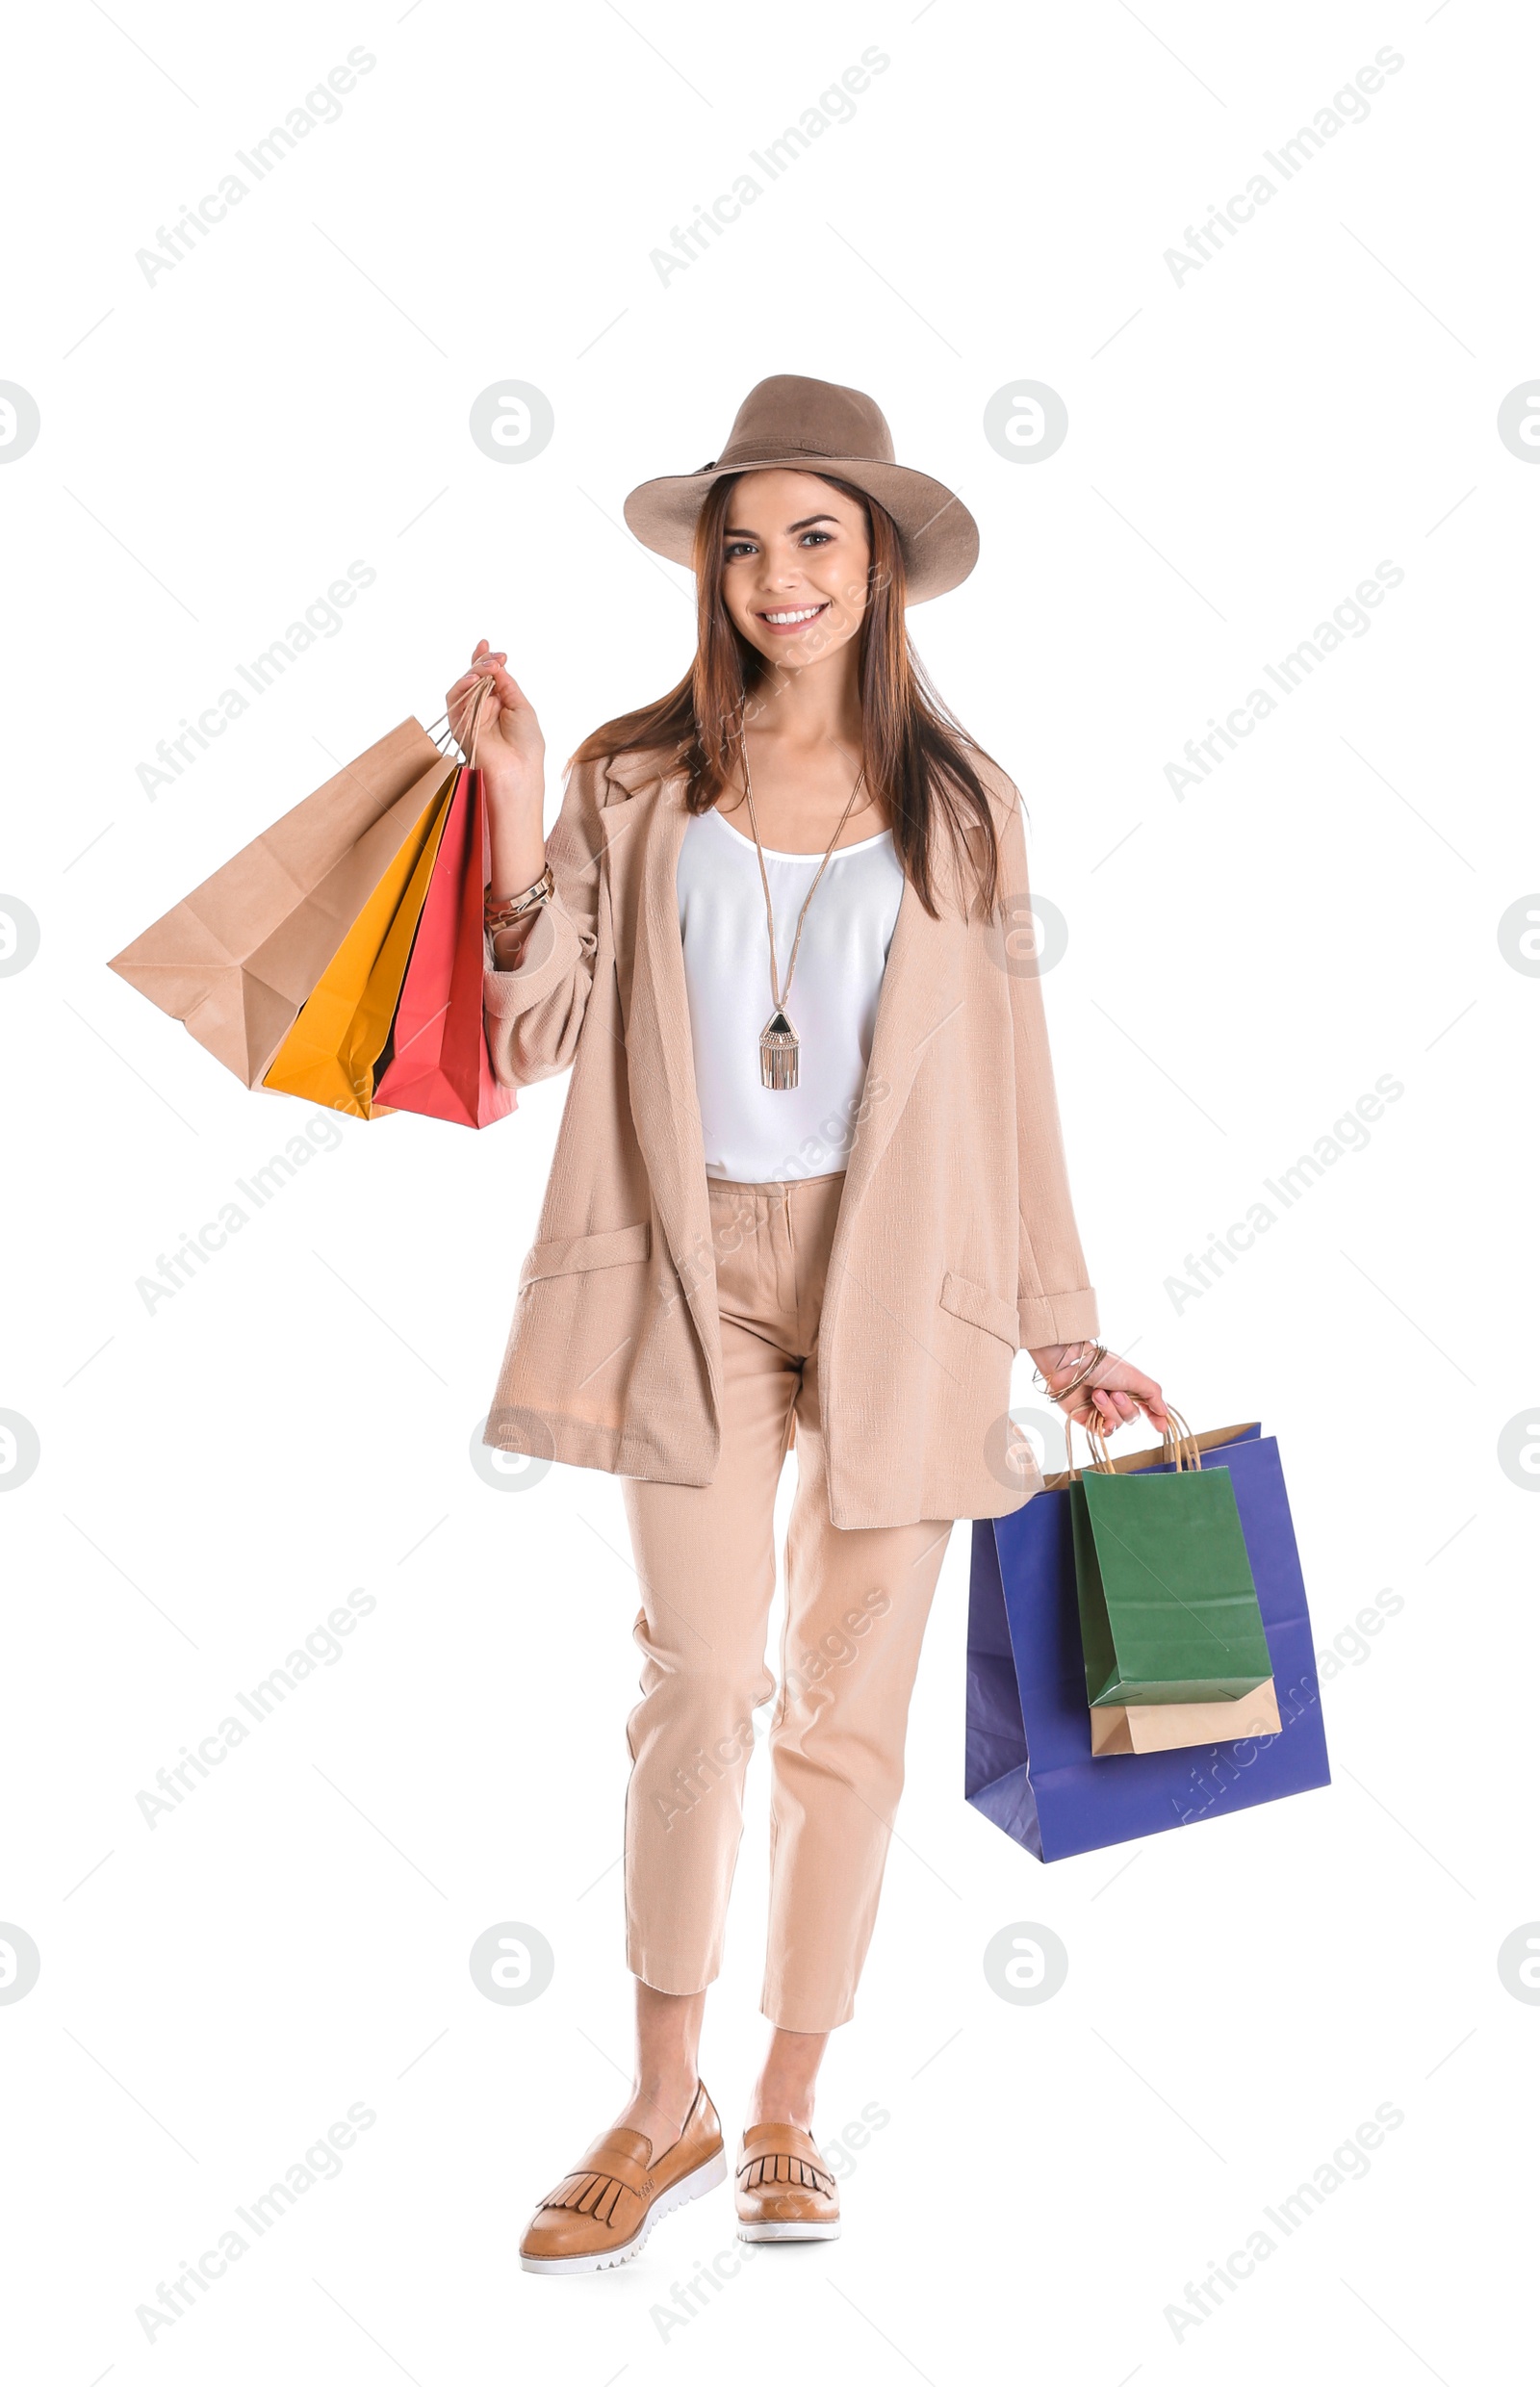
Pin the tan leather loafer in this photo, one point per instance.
(601, 2213)
(785, 2189)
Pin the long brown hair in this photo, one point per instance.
(918, 756)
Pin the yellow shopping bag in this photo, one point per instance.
(329, 1054)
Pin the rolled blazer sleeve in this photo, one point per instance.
(534, 1013)
(1055, 1302)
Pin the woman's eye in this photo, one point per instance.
(821, 536)
(737, 547)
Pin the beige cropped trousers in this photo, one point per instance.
(857, 1605)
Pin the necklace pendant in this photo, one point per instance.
(778, 1052)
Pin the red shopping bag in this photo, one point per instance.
(439, 1064)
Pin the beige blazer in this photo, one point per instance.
(955, 1245)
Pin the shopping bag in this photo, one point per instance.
(1133, 1731)
(328, 1055)
(439, 1064)
(1167, 1606)
(1030, 1768)
(235, 960)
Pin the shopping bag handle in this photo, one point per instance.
(467, 745)
(1178, 1444)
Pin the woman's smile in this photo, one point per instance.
(787, 621)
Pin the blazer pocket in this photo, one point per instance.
(965, 1299)
(566, 1254)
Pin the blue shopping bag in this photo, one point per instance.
(1029, 1766)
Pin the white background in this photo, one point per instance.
(1244, 446)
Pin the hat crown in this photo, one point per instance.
(790, 415)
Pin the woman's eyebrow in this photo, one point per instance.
(805, 524)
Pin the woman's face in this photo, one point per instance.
(795, 559)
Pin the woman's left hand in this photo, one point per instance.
(1115, 1392)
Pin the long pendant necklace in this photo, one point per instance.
(779, 1042)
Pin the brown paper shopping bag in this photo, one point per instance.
(1192, 1724)
(235, 959)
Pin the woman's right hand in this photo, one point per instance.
(511, 755)
(511, 752)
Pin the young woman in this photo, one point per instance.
(808, 1189)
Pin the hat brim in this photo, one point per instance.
(939, 535)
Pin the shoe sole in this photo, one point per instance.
(693, 2184)
(765, 2233)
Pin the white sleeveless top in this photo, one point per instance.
(751, 1133)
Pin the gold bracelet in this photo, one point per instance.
(1078, 1347)
(506, 911)
(1099, 1354)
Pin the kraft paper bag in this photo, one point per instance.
(329, 1054)
(439, 1064)
(1030, 1769)
(1134, 1731)
(1168, 1609)
(235, 960)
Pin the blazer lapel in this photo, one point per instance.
(643, 836)
(920, 1002)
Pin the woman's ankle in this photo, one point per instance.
(659, 2109)
(771, 2101)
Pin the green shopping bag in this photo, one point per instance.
(1168, 1606)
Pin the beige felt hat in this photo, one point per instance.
(813, 426)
